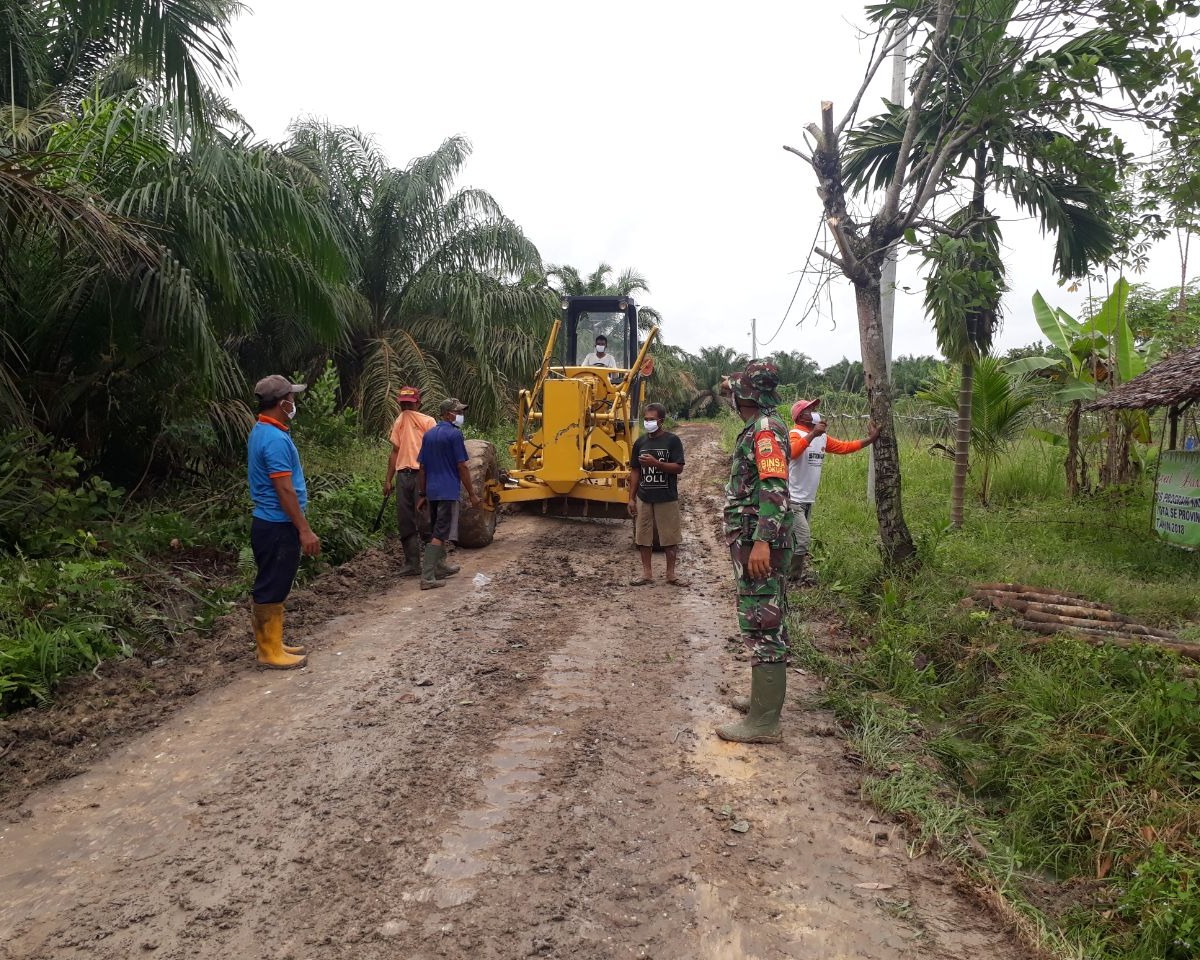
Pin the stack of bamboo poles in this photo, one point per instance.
(1044, 611)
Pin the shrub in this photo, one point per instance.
(44, 502)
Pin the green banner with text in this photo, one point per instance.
(1177, 498)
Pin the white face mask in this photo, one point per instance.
(291, 414)
(816, 418)
(600, 348)
(458, 419)
(650, 425)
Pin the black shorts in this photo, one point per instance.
(441, 515)
(276, 548)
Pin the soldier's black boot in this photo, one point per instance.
(768, 684)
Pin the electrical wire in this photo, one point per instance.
(795, 293)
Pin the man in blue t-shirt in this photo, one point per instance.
(443, 459)
(279, 531)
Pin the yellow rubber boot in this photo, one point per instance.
(287, 648)
(268, 634)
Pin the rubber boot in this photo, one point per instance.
(429, 562)
(412, 556)
(268, 635)
(800, 573)
(768, 684)
(445, 569)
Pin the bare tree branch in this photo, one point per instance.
(891, 202)
(831, 258)
(892, 41)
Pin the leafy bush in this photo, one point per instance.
(318, 418)
(342, 511)
(44, 503)
(57, 618)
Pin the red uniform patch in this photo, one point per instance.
(772, 461)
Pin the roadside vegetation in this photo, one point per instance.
(1065, 776)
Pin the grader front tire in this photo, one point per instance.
(476, 525)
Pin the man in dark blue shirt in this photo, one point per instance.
(443, 459)
(279, 531)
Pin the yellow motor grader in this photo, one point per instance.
(576, 424)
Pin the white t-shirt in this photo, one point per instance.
(592, 360)
(804, 471)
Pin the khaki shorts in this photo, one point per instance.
(664, 516)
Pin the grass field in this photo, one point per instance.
(1063, 775)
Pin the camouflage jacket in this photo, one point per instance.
(756, 497)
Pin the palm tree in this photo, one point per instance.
(55, 53)
(1055, 178)
(439, 275)
(138, 241)
(999, 412)
(567, 281)
(116, 324)
(708, 368)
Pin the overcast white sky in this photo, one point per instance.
(642, 133)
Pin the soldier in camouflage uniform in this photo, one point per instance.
(758, 529)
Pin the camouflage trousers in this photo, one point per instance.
(762, 604)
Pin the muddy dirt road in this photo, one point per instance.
(525, 769)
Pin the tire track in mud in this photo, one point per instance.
(554, 790)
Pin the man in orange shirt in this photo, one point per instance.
(809, 443)
(406, 435)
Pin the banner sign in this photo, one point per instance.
(1177, 498)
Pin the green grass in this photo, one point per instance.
(1065, 776)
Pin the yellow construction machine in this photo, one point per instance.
(575, 425)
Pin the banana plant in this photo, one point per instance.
(1093, 356)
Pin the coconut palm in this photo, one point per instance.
(440, 271)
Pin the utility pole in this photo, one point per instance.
(887, 279)
(753, 339)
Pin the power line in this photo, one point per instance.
(795, 293)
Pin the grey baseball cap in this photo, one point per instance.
(276, 388)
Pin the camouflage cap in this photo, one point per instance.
(757, 382)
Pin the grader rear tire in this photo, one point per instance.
(476, 526)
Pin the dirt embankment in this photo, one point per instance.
(522, 769)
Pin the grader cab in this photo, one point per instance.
(577, 423)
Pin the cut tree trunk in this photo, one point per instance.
(1098, 637)
(962, 444)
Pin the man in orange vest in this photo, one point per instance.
(406, 435)
(809, 443)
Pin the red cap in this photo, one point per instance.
(409, 395)
(801, 405)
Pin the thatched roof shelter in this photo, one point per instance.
(1174, 384)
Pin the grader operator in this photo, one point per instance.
(576, 423)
